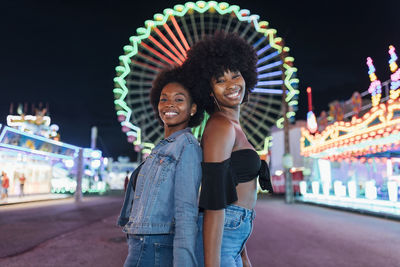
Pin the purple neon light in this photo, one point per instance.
(272, 55)
(44, 139)
(34, 151)
(259, 41)
(270, 74)
(262, 50)
(267, 91)
(269, 66)
(275, 82)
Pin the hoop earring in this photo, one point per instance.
(216, 102)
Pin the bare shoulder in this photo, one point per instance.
(218, 138)
(219, 125)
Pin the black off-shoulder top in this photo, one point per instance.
(219, 179)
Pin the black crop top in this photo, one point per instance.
(245, 164)
(219, 181)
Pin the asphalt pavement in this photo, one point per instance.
(26, 227)
(308, 235)
(63, 233)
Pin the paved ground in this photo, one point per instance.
(99, 244)
(284, 235)
(23, 227)
(308, 235)
(32, 198)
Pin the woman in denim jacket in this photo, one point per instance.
(160, 215)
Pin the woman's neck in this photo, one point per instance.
(168, 131)
(232, 114)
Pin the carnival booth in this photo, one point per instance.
(38, 158)
(29, 148)
(355, 159)
(277, 156)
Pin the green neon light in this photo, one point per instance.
(198, 131)
(146, 151)
(267, 145)
(138, 137)
(121, 90)
(148, 145)
(290, 114)
(279, 123)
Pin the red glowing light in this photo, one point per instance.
(178, 29)
(165, 50)
(178, 44)
(182, 58)
(309, 98)
(155, 52)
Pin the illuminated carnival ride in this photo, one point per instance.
(164, 40)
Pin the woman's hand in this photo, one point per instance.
(246, 262)
(245, 259)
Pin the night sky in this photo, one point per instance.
(64, 53)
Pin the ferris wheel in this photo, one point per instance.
(164, 40)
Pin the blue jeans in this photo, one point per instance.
(237, 229)
(199, 252)
(149, 250)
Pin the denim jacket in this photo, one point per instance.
(166, 197)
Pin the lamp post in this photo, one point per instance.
(287, 157)
(79, 174)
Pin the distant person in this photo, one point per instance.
(22, 180)
(126, 180)
(5, 183)
(161, 224)
(1, 184)
(1, 180)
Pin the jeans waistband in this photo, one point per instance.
(246, 213)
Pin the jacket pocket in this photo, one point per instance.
(165, 168)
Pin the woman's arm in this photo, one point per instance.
(218, 141)
(213, 226)
(187, 183)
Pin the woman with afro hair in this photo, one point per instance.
(160, 211)
(223, 69)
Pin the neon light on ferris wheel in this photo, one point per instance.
(165, 39)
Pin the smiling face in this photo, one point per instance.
(229, 89)
(175, 108)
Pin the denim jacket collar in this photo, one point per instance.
(172, 137)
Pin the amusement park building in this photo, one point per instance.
(355, 160)
(30, 147)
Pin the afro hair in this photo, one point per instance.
(175, 75)
(211, 57)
